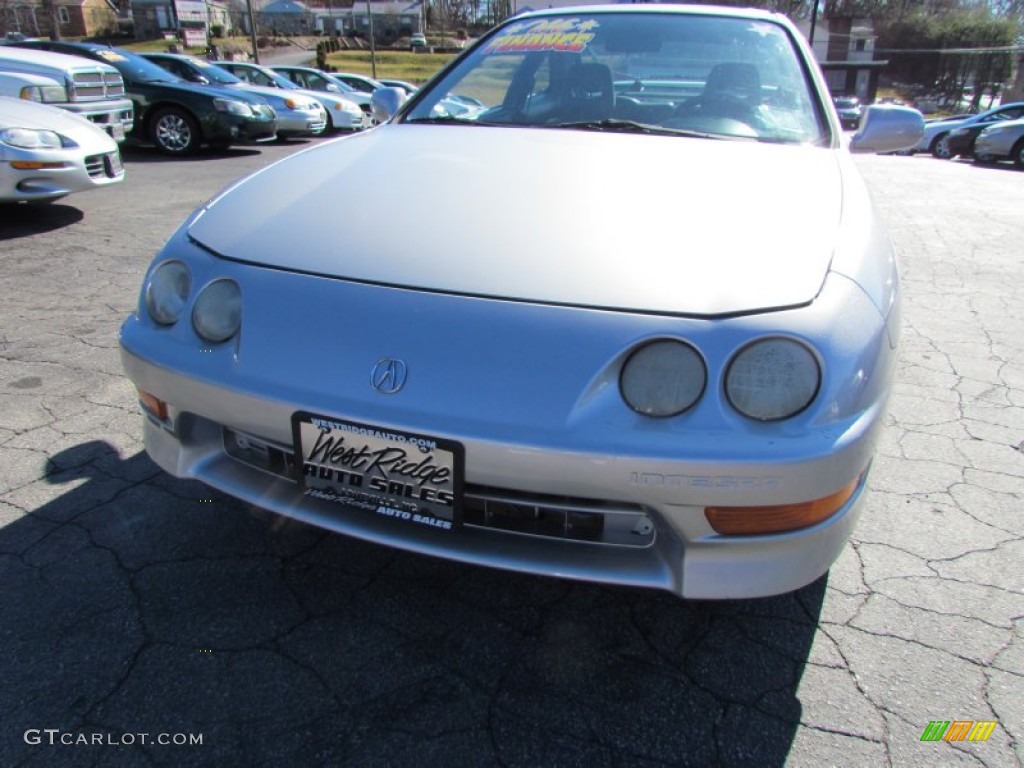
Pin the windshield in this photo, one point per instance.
(269, 78)
(659, 72)
(134, 68)
(215, 74)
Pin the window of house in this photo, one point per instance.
(860, 44)
(62, 15)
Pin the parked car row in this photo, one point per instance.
(179, 103)
(70, 104)
(957, 135)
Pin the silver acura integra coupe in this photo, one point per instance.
(657, 354)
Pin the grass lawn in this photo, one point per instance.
(415, 68)
(400, 65)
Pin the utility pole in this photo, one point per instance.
(814, 21)
(252, 32)
(373, 42)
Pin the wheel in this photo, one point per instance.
(175, 131)
(940, 147)
(1018, 154)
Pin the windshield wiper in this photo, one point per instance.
(453, 120)
(442, 119)
(616, 125)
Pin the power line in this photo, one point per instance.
(958, 51)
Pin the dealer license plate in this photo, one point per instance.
(114, 165)
(401, 475)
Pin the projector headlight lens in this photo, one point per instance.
(663, 378)
(772, 379)
(217, 314)
(167, 292)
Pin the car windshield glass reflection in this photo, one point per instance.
(656, 73)
(136, 68)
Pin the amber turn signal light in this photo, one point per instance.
(751, 521)
(35, 165)
(153, 405)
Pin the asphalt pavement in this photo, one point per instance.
(142, 614)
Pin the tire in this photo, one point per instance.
(1018, 154)
(940, 147)
(175, 132)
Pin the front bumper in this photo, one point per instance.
(116, 118)
(223, 127)
(78, 172)
(682, 554)
(993, 146)
(961, 144)
(574, 445)
(294, 122)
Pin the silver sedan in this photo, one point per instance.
(1002, 141)
(658, 354)
(47, 153)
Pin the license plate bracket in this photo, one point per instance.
(392, 473)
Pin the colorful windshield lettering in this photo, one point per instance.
(562, 35)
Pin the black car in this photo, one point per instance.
(961, 139)
(177, 116)
(849, 110)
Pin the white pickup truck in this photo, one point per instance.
(88, 88)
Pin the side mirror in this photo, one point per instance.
(385, 102)
(332, 88)
(888, 128)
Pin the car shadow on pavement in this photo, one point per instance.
(135, 603)
(138, 153)
(27, 219)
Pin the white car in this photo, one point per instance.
(658, 354)
(359, 82)
(47, 153)
(322, 82)
(1002, 141)
(343, 114)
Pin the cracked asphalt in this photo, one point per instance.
(132, 603)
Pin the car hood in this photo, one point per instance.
(16, 113)
(205, 92)
(645, 223)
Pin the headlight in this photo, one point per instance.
(30, 138)
(663, 378)
(217, 313)
(57, 94)
(772, 379)
(233, 107)
(167, 292)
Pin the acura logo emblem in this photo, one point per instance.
(388, 375)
